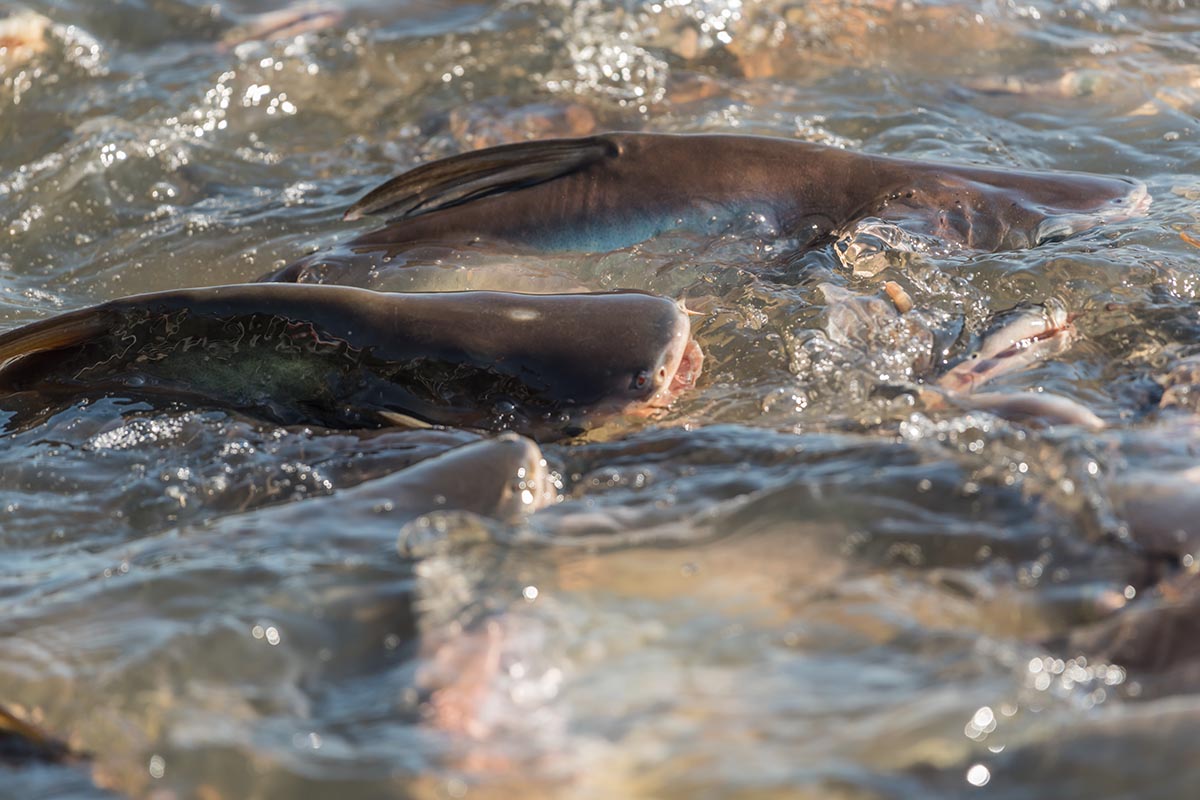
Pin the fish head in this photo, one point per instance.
(545, 365)
(591, 356)
(505, 478)
(993, 210)
(1018, 339)
(675, 371)
(1093, 201)
(661, 362)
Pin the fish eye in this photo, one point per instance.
(640, 380)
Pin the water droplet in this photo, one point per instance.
(979, 775)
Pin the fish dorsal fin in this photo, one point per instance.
(469, 176)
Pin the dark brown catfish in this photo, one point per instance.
(610, 191)
(545, 365)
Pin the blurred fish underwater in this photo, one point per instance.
(921, 525)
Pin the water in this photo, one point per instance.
(801, 583)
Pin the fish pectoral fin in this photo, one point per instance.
(466, 177)
(403, 420)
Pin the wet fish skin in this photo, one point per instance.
(503, 478)
(547, 365)
(613, 190)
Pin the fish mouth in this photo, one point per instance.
(687, 372)
(682, 366)
(1058, 335)
(1135, 203)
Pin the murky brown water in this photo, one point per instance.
(802, 583)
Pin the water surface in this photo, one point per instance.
(801, 583)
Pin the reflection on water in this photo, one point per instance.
(807, 581)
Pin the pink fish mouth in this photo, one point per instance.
(680, 368)
(677, 374)
(682, 377)
(1027, 346)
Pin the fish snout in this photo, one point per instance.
(530, 485)
(1134, 204)
(1130, 205)
(680, 366)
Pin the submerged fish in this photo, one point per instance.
(1161, 507)
(285, 23)
(544, 365)
(1155, 638)
(1044, 407)
(503, 478)
(1020, 338)
(610, 191)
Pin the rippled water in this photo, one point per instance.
(802, 583)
